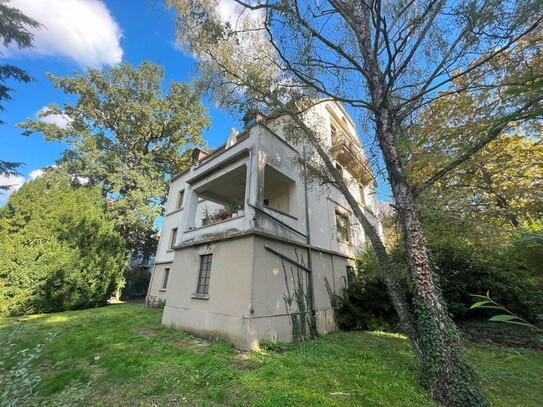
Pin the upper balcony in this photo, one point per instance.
(242, 190)
(350, 155)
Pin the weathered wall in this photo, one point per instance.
(157, 278)
(229, 289)
(246, 300)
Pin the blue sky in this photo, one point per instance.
(147, 33)
(97, 33)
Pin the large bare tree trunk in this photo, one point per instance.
(451, 381)
(394, 290)
(444, 372)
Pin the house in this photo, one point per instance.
(250, 246)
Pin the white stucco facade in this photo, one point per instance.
(229, 277)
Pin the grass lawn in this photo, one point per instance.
(131, 360)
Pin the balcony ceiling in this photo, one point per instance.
(225, 188)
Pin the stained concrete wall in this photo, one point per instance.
(221, 311)
(248, 288)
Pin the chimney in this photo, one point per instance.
(252, 117)
(198, 155)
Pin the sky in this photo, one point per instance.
(83, 33)
(79, 34)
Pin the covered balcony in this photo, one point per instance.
(220, 199)
(350, 155)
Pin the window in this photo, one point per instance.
(165, 278)
(362, 194)
(174, 238)
(340, 169)
(204, 274)
(350, 274)
(333, 133)
(342, 227)
(180, 199)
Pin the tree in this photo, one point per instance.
(8, 169)
(128, 135)
(13, 29)
(60, 250)
(390, 59)
(500, 186)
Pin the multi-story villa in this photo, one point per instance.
(245, 229)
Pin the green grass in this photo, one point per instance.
(131, 360)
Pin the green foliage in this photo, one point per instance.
(527, 249)
(20, 378)
(161, 303)
(127, 135)
(136, 282)
(132, 359)
(298, 302)
(364, 303)
(462, 266)
(484, 301)
(14, 28)
(469, 262)
(8, 169)
(60, 251)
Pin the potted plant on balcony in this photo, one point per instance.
(207, 217)
(222, 214)
(235, 206)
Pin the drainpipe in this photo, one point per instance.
(247, 203)
(308, 233)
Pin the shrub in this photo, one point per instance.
(365, 304)
(136, 282)
(60, 251)
(461, 268)
(463, 271)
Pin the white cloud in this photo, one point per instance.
(14, 182)
(60, 120)
(228, 10)
(36, 174)
(81, 30)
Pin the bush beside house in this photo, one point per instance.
(60, 250)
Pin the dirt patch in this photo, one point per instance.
(145, 331)
(243, 361)
(194, 344)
